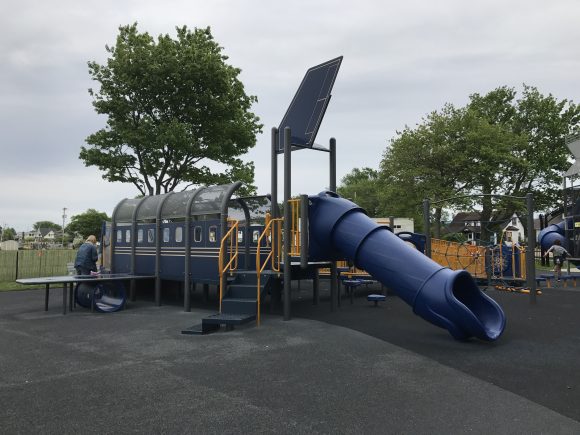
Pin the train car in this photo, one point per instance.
(177, 236)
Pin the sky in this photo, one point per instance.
(402, 60)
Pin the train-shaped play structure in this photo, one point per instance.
(211, 236)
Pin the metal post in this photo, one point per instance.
(530, 250)
(332, 185)
(274, 175)
(303, 231)
(334, 290)
(316, 288)
(392, 223)
(287, 222)
(426, 220)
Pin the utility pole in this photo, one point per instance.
(63, 220)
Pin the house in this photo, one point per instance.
(400, 224)
(507, 230)
(468, 223)
(513, 231)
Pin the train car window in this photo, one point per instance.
(255, 236)
(240, 236)
(140, 235)
(150, 235)
(128, 236)
(212, 234)
(119, 236)
(166, 235)
(178, 234)
(197, 232)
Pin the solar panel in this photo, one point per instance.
(305, 113)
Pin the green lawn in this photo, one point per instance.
(11, 285)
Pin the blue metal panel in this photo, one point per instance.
(173, 251)
(307, 108)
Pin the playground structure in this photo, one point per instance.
(242, 245)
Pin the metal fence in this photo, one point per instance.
(34, 263)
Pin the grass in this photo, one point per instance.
(11, 285)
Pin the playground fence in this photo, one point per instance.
(34, 263)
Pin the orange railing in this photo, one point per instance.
(228, 245)
(273, 234)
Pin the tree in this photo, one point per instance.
(87, 223)
(177, 114)
(362, 187)
(46, 224)
(494, 145)
(8, 234)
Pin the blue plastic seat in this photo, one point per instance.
(376, 298)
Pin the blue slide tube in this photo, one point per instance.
(446, 298)
(551, 233)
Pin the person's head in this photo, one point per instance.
(92, 239)
(557, 242)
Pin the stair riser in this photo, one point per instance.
(242, 292)
(239, 307)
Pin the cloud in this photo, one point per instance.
(401, 61)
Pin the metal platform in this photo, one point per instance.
(69, 280)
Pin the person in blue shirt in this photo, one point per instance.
(87, 256)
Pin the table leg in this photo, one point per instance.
(64, 289)
(46, 297)
(70, 297)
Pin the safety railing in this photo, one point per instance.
(500, 259)
(273, 237)
(294, 245)
(228, 246)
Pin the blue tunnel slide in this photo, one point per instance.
(446, 298)
(551, 233)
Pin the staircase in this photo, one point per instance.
(239, 303)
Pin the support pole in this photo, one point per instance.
(530, 250)
(274, 175)
(334, 290)
(427, 222)
(303, 231)
(287, 222)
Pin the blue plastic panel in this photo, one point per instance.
(305, 113)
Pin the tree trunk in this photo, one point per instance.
(437, 233)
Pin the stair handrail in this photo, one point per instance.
(232, 237)
(273, 228)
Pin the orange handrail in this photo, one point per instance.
(232, 236)
(273, 228)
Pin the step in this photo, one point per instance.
(247, 291)
(228, 319)
(246, 306)
(201, 329)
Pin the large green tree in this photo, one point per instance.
(496, 144)
(46, 224)
(88, 223)
(8, 233)
(177, 113)
(362, 187)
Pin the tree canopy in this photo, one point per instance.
(497, 144)
(46, 224)
(87, 223)
(177, 113)
(8, 233)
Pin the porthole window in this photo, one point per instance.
(179, 234)
(128, 236)
(119, 236)
(165, 235)
(150, 235)
(197, 233)
(240, 236)
(140, 236)
(255, 236)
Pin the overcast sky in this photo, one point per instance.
(401, 61)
